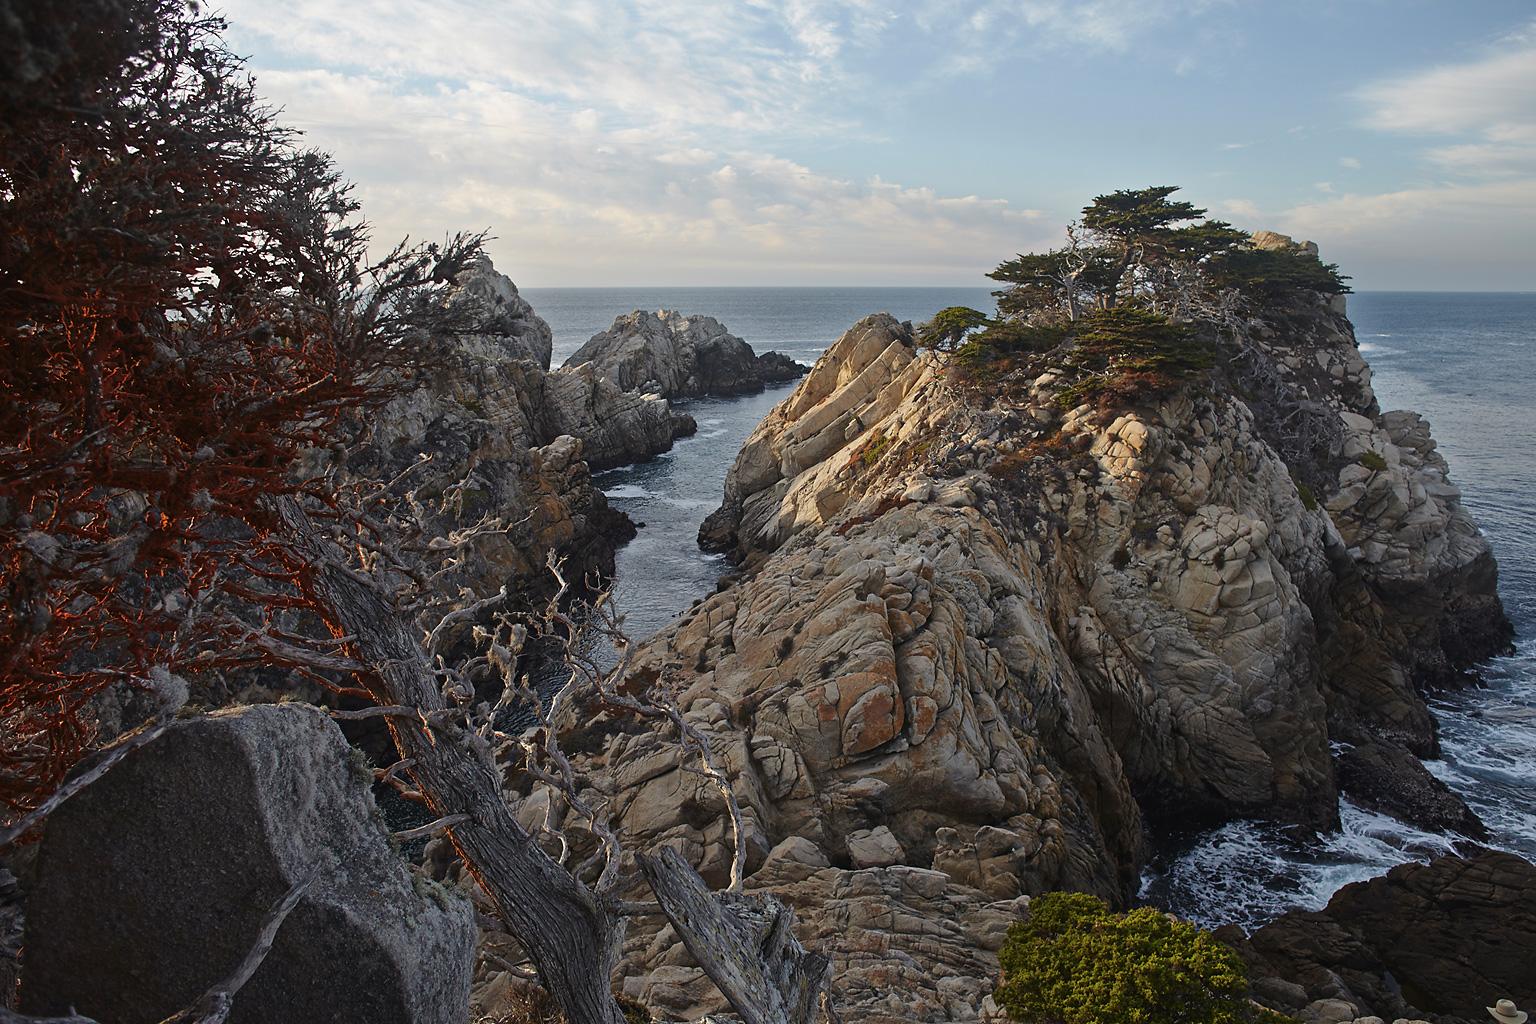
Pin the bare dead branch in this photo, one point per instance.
(745, 943)
(216, 1003)
(431, 828)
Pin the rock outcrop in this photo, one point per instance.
(989, 634)
(1436, 941)
(506, 438)
(678, 356)
(152, 883)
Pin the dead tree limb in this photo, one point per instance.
(216, 1003)
(100, 764)
(572, 938)
(745, 942)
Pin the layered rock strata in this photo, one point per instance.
(678, 356)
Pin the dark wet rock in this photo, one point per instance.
(1391, 780)
(1436, 941)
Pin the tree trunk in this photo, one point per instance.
(573, 941)
(745, 943)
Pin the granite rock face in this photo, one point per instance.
(151, 885)
(1437, 941)
(509, 439)
(513, 329)
(678, 356)
(995, 639)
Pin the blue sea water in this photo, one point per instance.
(1467, 361)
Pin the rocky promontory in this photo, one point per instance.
(677, 356)
(991, 637)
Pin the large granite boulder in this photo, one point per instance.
(678, 356)
(1437, 941)
(152, 883)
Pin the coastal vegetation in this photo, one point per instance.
(1074, 961)
(1131, 308)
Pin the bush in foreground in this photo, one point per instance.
(1074, 961)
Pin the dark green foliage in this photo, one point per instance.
(1134, 213)
(1197, 242)
(1127, 353)
(1308, 498)
(949, 327)
(1041, 280)
(1270, 274)
(1075, 962)
(1004, 340)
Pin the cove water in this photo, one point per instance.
(1467, 362)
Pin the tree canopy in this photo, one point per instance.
(186, 304)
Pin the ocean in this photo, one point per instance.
(1466, 361)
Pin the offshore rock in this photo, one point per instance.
(513, 329)
(151, 884)
(504, 438)
(678, 356)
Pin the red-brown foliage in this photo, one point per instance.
(185, 307)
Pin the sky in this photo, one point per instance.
(862, 142)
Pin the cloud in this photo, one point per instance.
(577, 205)
(1245, 209)
(1490, 101)
(1409, 237)
(1353, 163)
(605, 141)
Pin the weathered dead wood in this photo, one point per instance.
(216, 1003)
(572, 937)
(745, 942)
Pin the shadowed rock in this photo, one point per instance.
(152, 883)
(677, 356)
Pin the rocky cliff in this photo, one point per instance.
(678, 356)
(990, 636)
(507, 437)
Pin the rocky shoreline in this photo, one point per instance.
(983, 642)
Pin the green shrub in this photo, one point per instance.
(877, 446)
(1373, 461)
(1308, 499)
(1076, 962)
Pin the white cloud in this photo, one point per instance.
(1351, 162)
(1244, 209)
(1410, 237)
(625, 206)
(1491, 99)
(605, 141)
